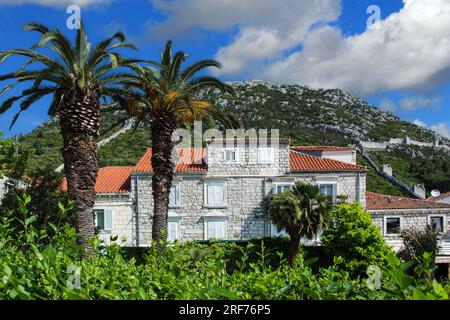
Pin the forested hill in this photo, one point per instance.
(307, 116)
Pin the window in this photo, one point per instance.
(275, 233)
(437, 222)
(329, 190)
(215, 229)
(279, 188)
(266, 155)
(215, 194)
(392, 225)
(173, 231)
(231, 155)
(103, 219)
(174, 199)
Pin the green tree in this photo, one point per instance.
(353, 236)
(44, 187)
(77, 77)
(301, 211)
(169, 99)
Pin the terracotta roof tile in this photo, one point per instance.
(375, 201)
(322, 148)
(111, 180)
(189, 160)
(304, 162)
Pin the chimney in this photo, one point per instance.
(387, 169)
(419, 189)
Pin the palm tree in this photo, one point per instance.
(77, 77)
(301, 211)
(168, 100)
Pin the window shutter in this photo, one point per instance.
(108, 219)
(210, 195)
(219, 195)
(173, 195)
(220, 226)
(172, 233)
(211, 230)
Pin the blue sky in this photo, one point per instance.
(401, 65)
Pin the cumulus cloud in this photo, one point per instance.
(408, 50)
(412, 104)
(442, 129)
(265, 28)
(295, 42)
(54, 3)
(387, 104)
(420, 123)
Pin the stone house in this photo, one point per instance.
(218, 192)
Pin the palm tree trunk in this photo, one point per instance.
(80, 122)
(163, 172)
(293, 249)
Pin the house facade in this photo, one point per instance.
(218, 192)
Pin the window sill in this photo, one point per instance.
(215, 207)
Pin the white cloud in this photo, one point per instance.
(442, 129)
(420, 123)
(266, 28)
(412, 104)
(408, 51)
(54, 3)
(387, 104)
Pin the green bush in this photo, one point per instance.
(354, 237)
(31, 267)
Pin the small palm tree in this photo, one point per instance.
(302, 212)
(168, 100)
(77, 77)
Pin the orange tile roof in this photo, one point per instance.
(322, 148)
(111, 180)
(375, 201)
(304, 162)
(190, 160)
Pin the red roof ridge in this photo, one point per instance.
(377, 201)
(304, 162)
(324, 148)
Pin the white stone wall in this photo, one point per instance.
(347, 157)
(244, 214)
(409, 219)
(123, 218)
(248, 160)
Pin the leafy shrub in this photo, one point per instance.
(354, 237)
(31, 267)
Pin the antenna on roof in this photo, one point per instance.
(435, 193)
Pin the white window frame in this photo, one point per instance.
(385, 218)
(281, 184)
(205, 193)
(444, 220)
(177, 185)
(235, 150)
(215, 219)
(174, 218)
(105, 210)
(334, 185)
(271, 161)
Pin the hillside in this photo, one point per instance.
(307, 116)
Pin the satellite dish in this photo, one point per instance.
(435, 193)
